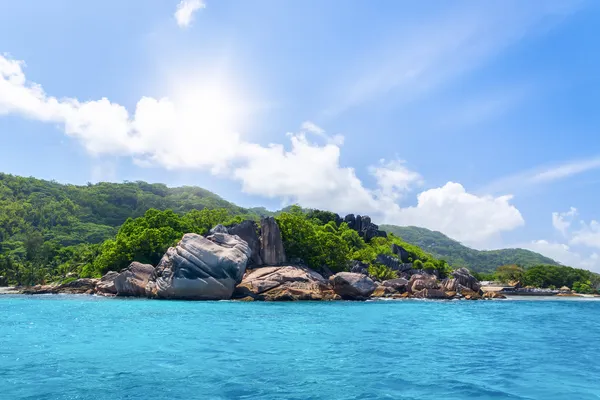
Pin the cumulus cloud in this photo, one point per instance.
(198, 132)
(186, 9)
(587, 235)
(461, 215)
(562, 221)
(564, 254)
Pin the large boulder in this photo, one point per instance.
(200, 268)
(393, 263)
(248, 231)
(352, 286)
(283, 283)
(399, 285)
(450, 284)
(132, 280)
(363, 225)
(464, 278)
(419, 282)
(106, 285)
(272, 251)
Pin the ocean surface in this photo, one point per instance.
(84, 347)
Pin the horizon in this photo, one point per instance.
(474, 120)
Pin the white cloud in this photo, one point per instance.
(461, 215)
(197, 130)
(564, 254)
(588, 235)
(186, 10)
(562, 221)
(542, 175)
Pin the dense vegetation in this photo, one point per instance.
(48, 229)
(458, 255)
(546, 276)
(52, 232)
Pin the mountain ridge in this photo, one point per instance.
(459, 255)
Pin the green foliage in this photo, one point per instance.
(381, 272)
(545, 276)
(507, 273)
(458, 255)
(583, 287)
(429, 267)
(418, 264)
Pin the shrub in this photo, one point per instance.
(382, 272)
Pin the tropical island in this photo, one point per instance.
(148, 240)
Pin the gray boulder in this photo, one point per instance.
(106, 285)
(400, 252)
(352, 286)
(248, 232)
(359, 267)
(399, 285)
(218, 229)
(132, 280)
(464, 278)
(272, 251)
(200, 268)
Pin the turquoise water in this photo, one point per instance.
(83, 347)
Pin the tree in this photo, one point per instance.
(507, 273)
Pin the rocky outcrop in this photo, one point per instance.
(132, 280)
(352, 286)
(363, 225)
(401, 253)
(464, 278)
(419, 282)
(200, 268)
(393, 263)
(284, 283)
(430, 294)
(399, 285)
(450, 284)
(106, 285)
(78, 286)
(272, 251)
(359, 267)
(248, 232)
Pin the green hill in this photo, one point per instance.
(459, 255)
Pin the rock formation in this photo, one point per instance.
(248, 232)
(359, 267)
(401, 253)
(430, 294)
(419, 282)
(272, 251)
(106, 285)
(284, 284)
(132, 280)
(352, 286)
(363, 225)
(464, 278)
(200, 268)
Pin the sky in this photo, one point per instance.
(476, 119)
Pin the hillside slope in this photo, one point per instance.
(459, 255)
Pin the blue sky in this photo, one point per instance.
(478, 119)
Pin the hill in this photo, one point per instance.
(459, 255)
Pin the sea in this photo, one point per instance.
(85, 347)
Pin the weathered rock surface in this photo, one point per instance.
(200, 268)
(363, 225)
(352, 286)
(493, 295)
(106, 285)
(464, 278)
(450, 284)
(132, 280)
(430, 294)
(285, 283)
(248, 232)
(419, 282)
(272, 251)
(79, 286)
(359, 267)
(399, 285)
